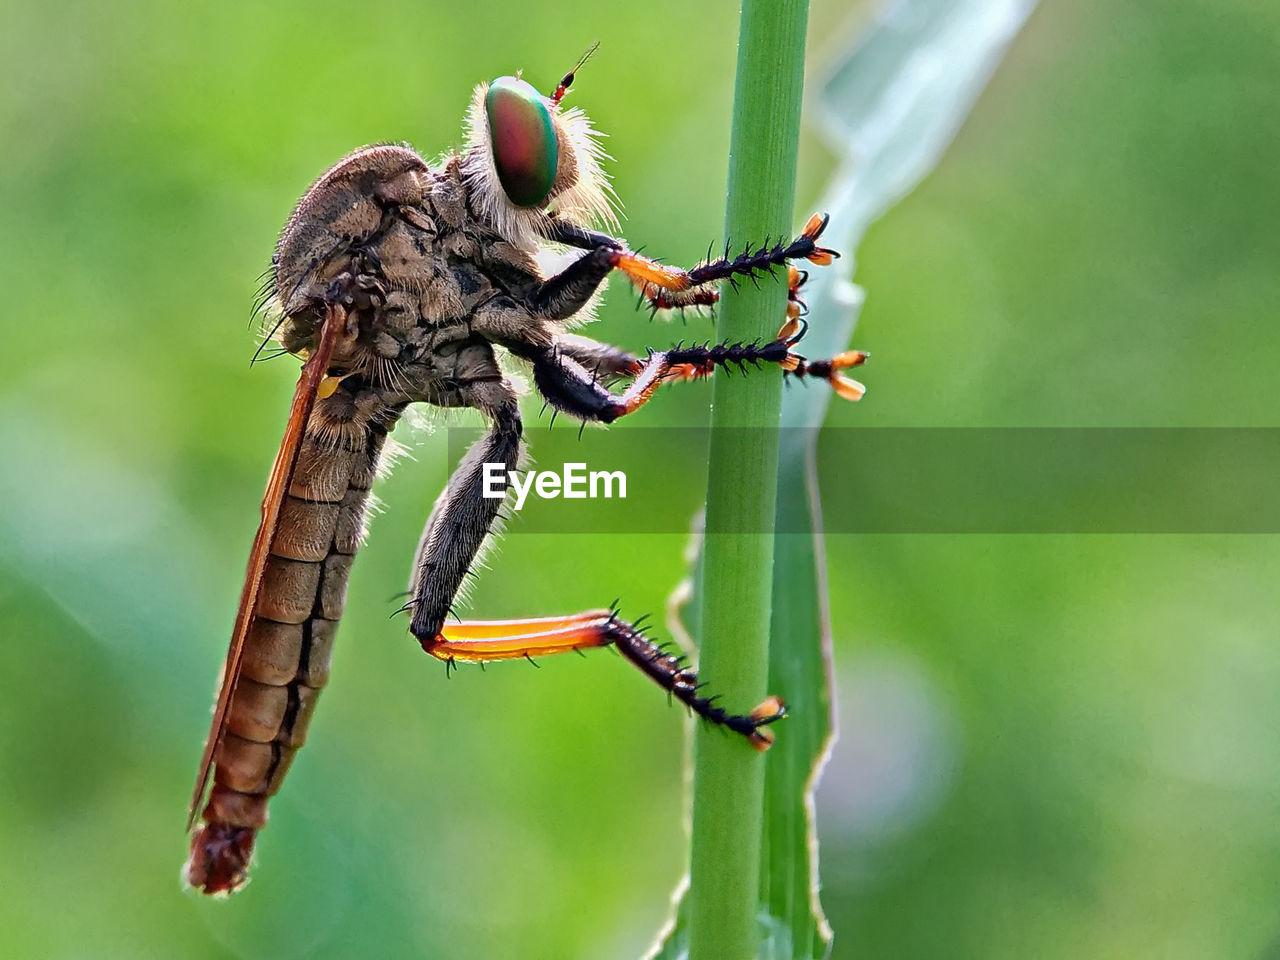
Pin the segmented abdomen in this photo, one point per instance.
(287, 650)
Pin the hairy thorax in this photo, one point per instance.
(427, 284)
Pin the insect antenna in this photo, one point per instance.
(567, 80)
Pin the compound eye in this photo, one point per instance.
(523, 139)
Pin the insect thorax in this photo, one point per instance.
(419, 271)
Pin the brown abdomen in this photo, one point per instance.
(290, 639)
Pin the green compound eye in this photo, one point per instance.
(523, 138)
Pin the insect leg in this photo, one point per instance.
(602, 359)
(463, 515)
(484, 640)
(564, 294)
(706, 296)
(673, 287)
(570, 386)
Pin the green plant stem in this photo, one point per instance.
(728, 778)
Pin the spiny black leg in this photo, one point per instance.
(479, 641)
(652, 277)
(674, 675)
(603, 360)
(574, 236)
(749, 263)
(569, 386)
(674, 288)
(561, 296)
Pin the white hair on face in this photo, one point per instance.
(581, 193)
(590, 199)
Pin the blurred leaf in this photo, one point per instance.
(888, 110)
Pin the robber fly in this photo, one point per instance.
(397, 282)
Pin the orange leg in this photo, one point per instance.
(478, 641)
(660, 299)
(674, 286)
(568, 376)
(570, 386)
(666, 287)
(484, 640)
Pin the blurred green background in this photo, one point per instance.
(1052, 746)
